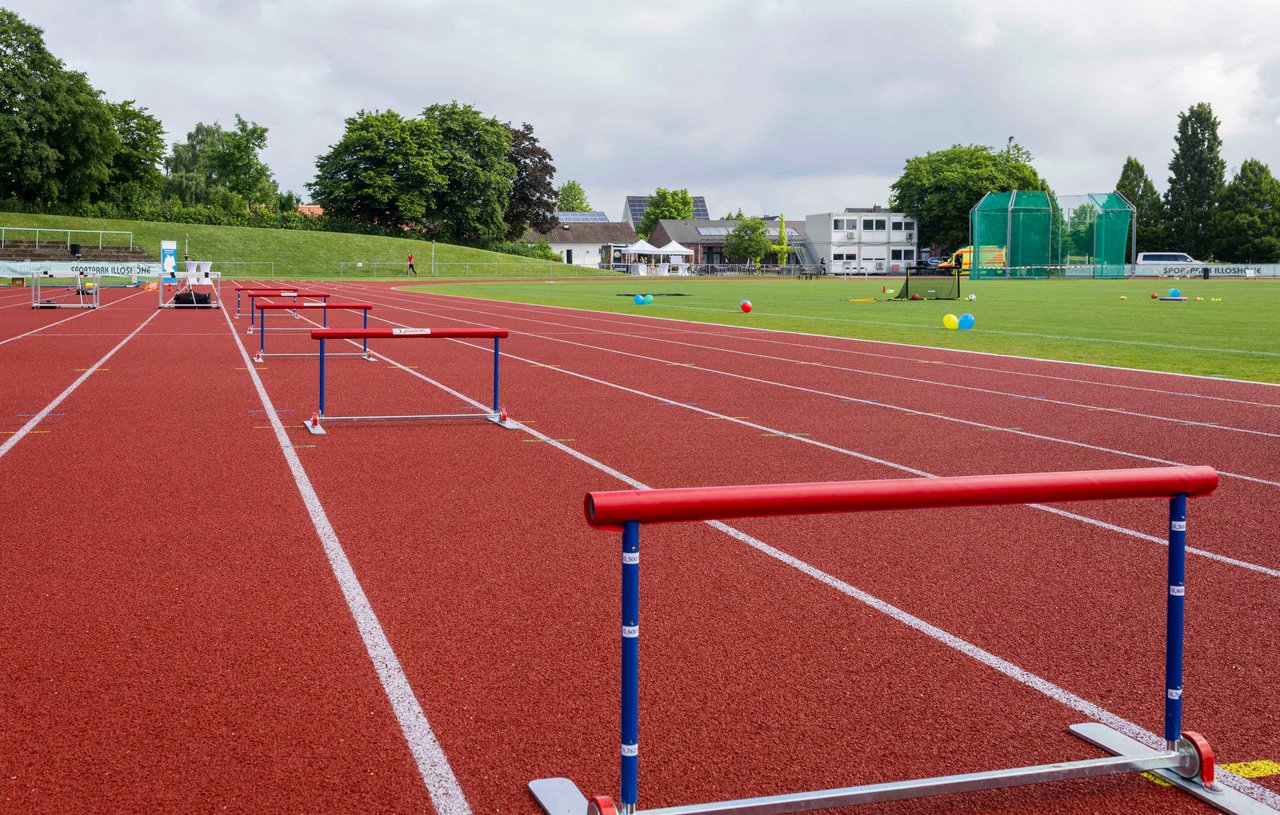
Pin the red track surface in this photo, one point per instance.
(176, 640)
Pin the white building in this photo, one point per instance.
(585, 244)
(863, 240)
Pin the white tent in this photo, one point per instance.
(674, 248)
(641, 247)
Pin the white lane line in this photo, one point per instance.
(1042, 360)
(433, 765)
(79, 313)
(1003, 666)
(917, 380)
(873, 403)
(39, 417)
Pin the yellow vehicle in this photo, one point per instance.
(988, 257)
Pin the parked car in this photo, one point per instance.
(1168, 264)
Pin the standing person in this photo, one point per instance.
(822, 266)
(411, 269)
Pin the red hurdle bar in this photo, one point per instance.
(325, 308)
(497, 415)
(243, 287)
(1187, 761)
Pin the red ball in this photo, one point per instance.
(746, 306)
(915, 297)
(1154, 296)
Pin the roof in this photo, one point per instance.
(586, 232)
(635, 205)
(689, 233)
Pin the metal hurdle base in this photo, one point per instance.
(315, 425)
(1182, 767)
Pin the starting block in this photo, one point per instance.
(324, 308)
(1187, 760)
(497, 415)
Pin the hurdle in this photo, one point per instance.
(295, 293)
(324, 310)
(186, 284)
(240, 287)
(1186, 762)
(497, 415)
(85, 289)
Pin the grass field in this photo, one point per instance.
(1235, 336)
(296, 254)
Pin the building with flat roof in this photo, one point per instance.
(863, 240)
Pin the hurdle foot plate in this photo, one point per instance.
(558, 796)
(1222, 797)
(497, 419)
(314, 429)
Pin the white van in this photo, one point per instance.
(1167, 264)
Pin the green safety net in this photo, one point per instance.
(1033, 234)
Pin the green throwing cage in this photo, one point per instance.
(1033, 234)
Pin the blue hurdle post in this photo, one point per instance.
(262, 329)
(364, 341)
(630, 666)
(1174, 623)
(322, 376)
(495, 374)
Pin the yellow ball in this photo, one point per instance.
(951, 321)
(1122, 297)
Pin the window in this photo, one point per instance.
(910, 226)
(837, 256)
(868, 223)
(880, 224)
(897, 226)
(908, 254)
(838, 225)
(896, 255)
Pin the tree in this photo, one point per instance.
(729, 216)
(783, 247)
(56, 135)
(1138, 190)
(748, 240)
(134, 177)
(237, 167)
(939, 188)
(469, 207)
(1196, 180)
(533, 199)
(221, 168)
(570, 197)
(382, 172)
(676, 205)
(1245, 227)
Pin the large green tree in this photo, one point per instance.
(478, 177)
(135, 177)
(675, 205)
(570, 197)
(220, 167)
(56, 134)
(381, 173)
(1195, 181)
(938, 189)
(1137, 189)
(748, 241)
(1245, 226)
(533, 198)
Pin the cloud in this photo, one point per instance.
(766, 104)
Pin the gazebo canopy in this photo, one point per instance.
(642, 247)
(674, 248)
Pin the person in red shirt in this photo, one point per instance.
(411, 269)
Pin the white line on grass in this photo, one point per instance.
(1003, 666)
(433, 765)
(877, 404)
(39, 417)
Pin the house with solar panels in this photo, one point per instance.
(635, 205)
(585, 238)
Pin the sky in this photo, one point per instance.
(764, 105)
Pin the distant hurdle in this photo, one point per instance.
(74, 290)
(242, 288)
(497, 415)
(187, 291)
(324, 309)
(295, 293)
(1186, 762)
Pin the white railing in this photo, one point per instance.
(7, 235)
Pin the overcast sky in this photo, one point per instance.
(799, 107)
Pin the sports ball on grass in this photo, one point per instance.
(966, 322)
(638, 299)
(746, 306)
(648, 299)
(915, 297)
(950, 321)
(971, 298)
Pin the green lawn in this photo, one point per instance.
(1077, 320)
(295, 254)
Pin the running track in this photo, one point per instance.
(207, 608)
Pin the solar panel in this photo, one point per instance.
(637, 204)
(582, 217)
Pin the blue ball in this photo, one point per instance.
(1175, 293)
(639, 299)
(966, 322)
